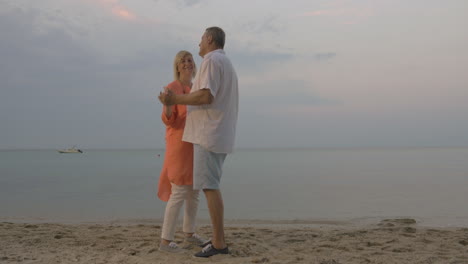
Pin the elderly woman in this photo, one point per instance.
(176, 179)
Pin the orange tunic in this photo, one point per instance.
(178, 160)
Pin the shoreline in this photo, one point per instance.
(351, 222)
(400, 240)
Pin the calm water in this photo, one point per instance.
(429, 184)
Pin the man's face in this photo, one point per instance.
(203, 45)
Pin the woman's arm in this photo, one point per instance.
(169, 120)
(168, 111)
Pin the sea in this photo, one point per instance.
(317, 184)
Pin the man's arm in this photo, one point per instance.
(200, 97)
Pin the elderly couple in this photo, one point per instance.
(198, 138)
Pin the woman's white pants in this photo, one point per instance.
(179, 195)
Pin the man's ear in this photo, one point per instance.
(210, 39)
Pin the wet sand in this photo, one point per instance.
(386, 241)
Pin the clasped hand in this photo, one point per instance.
(167, 97)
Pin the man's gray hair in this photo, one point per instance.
(218, 35)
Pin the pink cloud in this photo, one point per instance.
(121, 12)
(117, 9)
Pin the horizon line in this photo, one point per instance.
(258, 148)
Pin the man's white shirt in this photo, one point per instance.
(213, 126)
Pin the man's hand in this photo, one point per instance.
(199, 97)
(167, 98)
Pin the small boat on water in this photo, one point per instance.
(70, 150)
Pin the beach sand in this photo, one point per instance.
(385, 241)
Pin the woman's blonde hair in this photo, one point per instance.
(179, 56)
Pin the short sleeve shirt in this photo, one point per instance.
(213, 126)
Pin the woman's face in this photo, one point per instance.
(185, 65)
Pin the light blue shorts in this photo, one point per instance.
(207, 168)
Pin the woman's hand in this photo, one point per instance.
(167, 97)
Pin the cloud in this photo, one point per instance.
(55, 88)
(281, 96)
(118, 10)
(269, 24)
(323, 13)
(344, 15)
(290, 102)
(348, 12)
(324, 56)
(190, 3)
(249, 59)
(121, 12)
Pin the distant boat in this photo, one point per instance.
(70, 150)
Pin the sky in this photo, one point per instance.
(344, 73)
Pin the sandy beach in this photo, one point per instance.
(386, 241)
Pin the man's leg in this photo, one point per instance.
(206, 176)
(216, 208)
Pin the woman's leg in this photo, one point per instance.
(178, 195)
(191, 208)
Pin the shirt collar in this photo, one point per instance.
(209, 54)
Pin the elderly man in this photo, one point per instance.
(211, 127)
